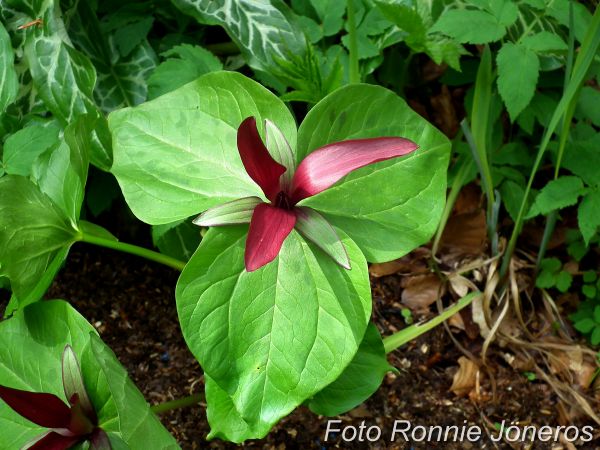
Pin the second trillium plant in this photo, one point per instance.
(285, 187)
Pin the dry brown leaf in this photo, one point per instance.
(414, 262)
(465, 235)
(574, 360)
(457, 321)
(465, 378)
(460, 285)
(420, 291)
(444, 114)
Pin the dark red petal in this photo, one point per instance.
(326, 165)
(81, 424)
(268, 229)
(259, 163)
(45, 410)
(54, 441)
(99, 440)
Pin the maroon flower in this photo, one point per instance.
(284, 185)
(68, 425)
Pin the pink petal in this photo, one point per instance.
(268, 229)
(46, 410)
(326, 165)
(259, 163)
(53, 441)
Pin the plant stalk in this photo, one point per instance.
(184, 402)
(134, 250)
(400, 338)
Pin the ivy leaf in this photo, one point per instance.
(518, 70)
(358, 381)
(64, 78)
(299, 322)
(31, 346)
(482, 26)
(177, 155)
(185, 63)
(263, 30)
(588, 215)
(557, 194)
(386, 220)
(9, 84)
(121, 79)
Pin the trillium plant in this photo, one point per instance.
(273, 299)
(284, 186)
(68, 425)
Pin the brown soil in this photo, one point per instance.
(131, 303)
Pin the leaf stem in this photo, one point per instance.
(405, 335)
(184, 402)
(134, 250)
(353, 44)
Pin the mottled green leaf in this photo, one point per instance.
(263, 30)
(9, 84)
(178, 239)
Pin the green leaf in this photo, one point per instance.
(583, 159)
(544, 41)
(41, 286)
(595, 337)
(588, 215)
(31, 346)
(32, 231)
(138, 425)
(512, 196)
(298, 322)
(91, 229)
(585, 325)
(9, 84)
(386, 220)
(358, 381)
(185, 63)
(61, 172)
(563, 281)
(263, 30)
(130, 36)
(588, 106)
(588, 291)
(518, 69)
(23, 147)
(63, 77)
(506, 12)
(178, 239)
(331, 13)
(406, 18)
(177, 155)
(469, 26)
(589, 276)
(557, 194)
